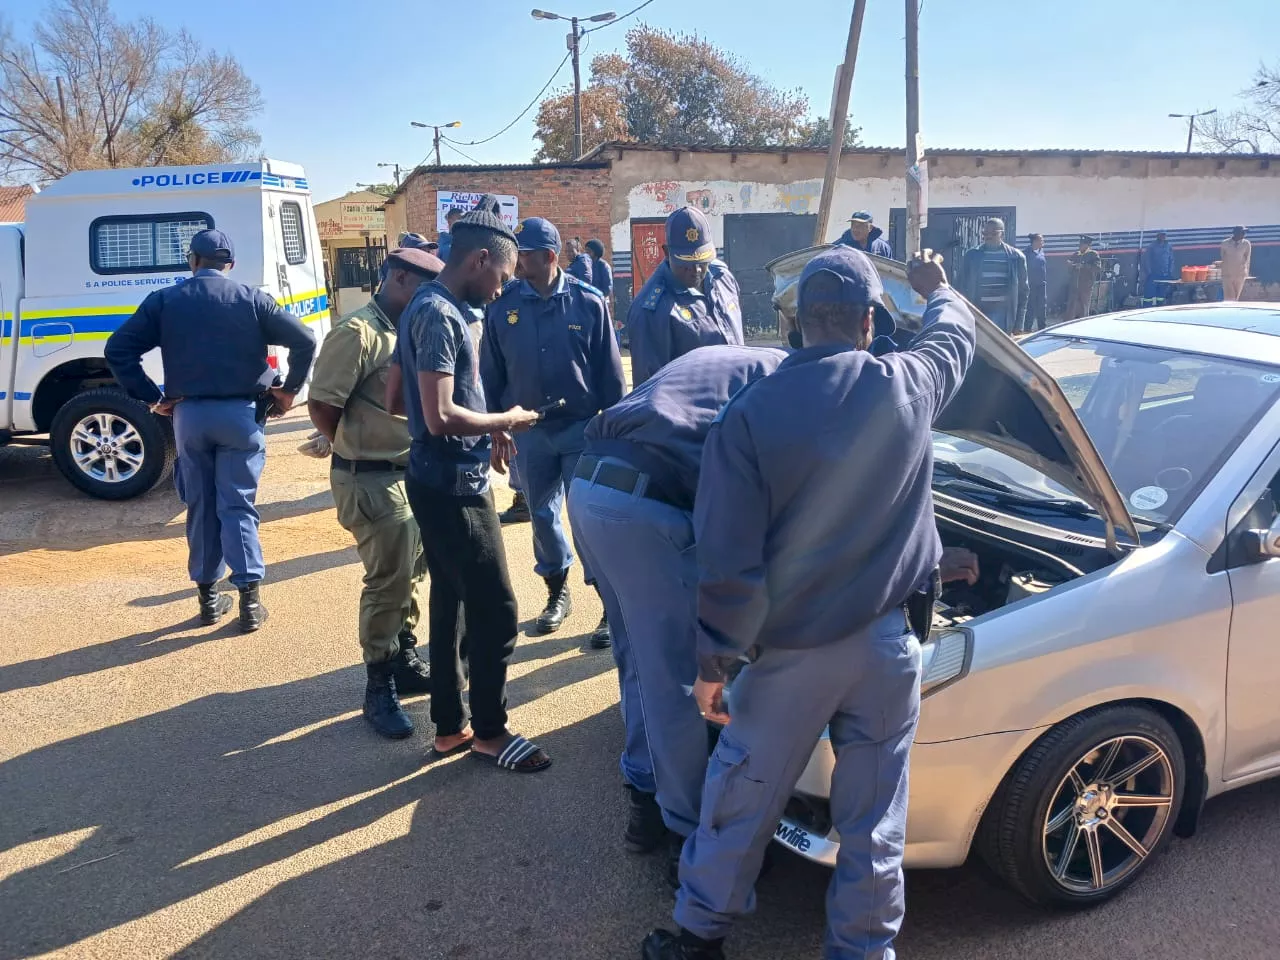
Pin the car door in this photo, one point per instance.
(1253, 662)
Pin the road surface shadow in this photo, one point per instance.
(168, 799)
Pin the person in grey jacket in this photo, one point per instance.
(994, 279)
(814, 526)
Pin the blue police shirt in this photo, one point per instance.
(435, 338)
(538, 350)
(660, 426)
(666, 320)
(602, 277)
(814, 511)
(580, 268)
(213, 333)
(1037, 269)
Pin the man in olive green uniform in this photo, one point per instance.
(370, 452)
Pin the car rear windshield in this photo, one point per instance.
(1162, 421)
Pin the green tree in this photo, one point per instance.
(817, 133)
(675, 88)
(93, 91)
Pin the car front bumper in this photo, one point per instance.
(951, 783)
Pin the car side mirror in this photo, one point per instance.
(1266, 543)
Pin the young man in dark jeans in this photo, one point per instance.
(437, 380)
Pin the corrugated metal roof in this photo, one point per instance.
(13, 203)
(586, 163)
(935, 152)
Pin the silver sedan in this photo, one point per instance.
(1113, 667)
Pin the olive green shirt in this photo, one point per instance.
(351, 373)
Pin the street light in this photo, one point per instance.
(437, 129)
(1191, 126)
(574, 36)
(395, 170)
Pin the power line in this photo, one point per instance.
(476, 143)
(449, 144)
(618, 19)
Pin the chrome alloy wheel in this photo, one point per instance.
(107, 447)
(1108, 813)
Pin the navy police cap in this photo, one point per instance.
(213, 245)
(689, 236)
(537, 233)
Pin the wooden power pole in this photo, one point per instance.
(917, 170)
(839, 120)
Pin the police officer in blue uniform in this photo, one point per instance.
(813, 532)
(631, 506)
(690, 301)
(547, 345)
(213, 335)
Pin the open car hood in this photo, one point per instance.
(1007, 401)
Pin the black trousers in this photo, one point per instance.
(1037, 309)
(472, 609)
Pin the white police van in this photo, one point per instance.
(94, 244)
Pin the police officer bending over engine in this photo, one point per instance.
(690, 301)
(814, 526)
(213, 335)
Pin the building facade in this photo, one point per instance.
(763, 203)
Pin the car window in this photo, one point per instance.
(1163, 422)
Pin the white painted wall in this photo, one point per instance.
(1046, 204)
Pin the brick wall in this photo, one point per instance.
(576, 199)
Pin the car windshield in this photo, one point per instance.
(1162, 421)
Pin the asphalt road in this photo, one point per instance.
(172, 790)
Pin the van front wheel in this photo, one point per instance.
(110, 445)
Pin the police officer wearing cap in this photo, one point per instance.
(813, 533)
(631, 506)
(370, 454)
(213, 335)
(690, 301)
(548, 346)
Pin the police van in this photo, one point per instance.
(94, 244)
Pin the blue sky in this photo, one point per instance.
(342, 80)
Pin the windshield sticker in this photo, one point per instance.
(1149, 498)
(1270, 378)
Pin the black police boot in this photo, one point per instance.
(252, 612)
(213, 605)
(413, 675)
(559, 604)
(518, 512)
(600, 637)
(665, 945)
(645, 829)
(382, 706)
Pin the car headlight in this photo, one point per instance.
(944, 659)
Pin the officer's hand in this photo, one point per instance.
(710, 697)
(518, 418)
(958, 564)
(282, 401)
(164, 408)
(502, 451)
(925, 273)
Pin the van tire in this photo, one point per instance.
(152, 438)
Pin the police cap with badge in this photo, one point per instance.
(537, 233)
(689, 236)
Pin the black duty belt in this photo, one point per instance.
(365, 466)
(615, 476)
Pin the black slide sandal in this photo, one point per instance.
(513, 755)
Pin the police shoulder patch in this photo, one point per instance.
(653, 297)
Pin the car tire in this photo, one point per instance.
(1069, 795)
(111, 446)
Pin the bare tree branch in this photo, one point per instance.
(1256, 127)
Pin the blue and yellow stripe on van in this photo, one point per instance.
(98, 323)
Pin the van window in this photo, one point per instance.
(146, 243)
(295, 241)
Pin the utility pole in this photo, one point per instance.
(839, 119)
(435, 140)
(395, 172)
(1191, 118)
(575, 34)
(915, 153)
